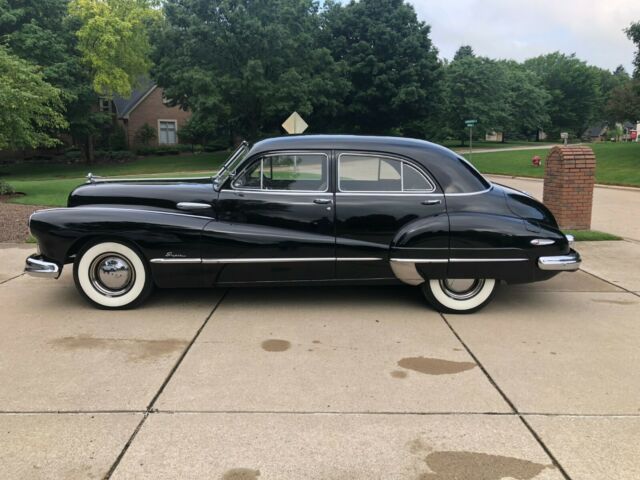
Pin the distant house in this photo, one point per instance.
(493, 136)
(147, 105)
(596, 133)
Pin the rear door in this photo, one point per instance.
(275, 222)
(378, 197)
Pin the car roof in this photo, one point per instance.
(344, 142)
(450, 171)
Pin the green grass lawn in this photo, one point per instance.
(455, 144)
(50, 184)
(591, 235)
(616, 163)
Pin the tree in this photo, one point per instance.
(114, 41)
(393, 67)
(574, 90)
(633, 33)
(244, 66)
(624, 103)
(477, 88)
(146, 134)
(528, 102)
(31, 110)
(464, 51)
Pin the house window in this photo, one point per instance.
(168, 132)
(105, 105)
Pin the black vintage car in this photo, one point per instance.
(311, 210)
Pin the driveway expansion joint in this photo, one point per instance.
(626, 290)
(173, 370)
(514, 409)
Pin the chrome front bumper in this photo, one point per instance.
(567, 263)
(37, 267)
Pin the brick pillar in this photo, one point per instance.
(569, 177)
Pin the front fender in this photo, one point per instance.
(61, 232)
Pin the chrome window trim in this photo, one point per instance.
(410, 193)
(390, 157)
(464, 194)
(278, 192)
(278, 154)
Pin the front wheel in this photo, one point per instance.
(459, 295)
(112, 275)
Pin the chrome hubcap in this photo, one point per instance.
(111, 274)
(461, 288)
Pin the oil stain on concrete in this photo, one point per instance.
(614, 302)
(448, 465)
(135, 349)
(435, 366)
(399, 374)
(241, 474)
(276, 345)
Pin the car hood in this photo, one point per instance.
(153, 193)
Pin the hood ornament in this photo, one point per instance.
(91, 178)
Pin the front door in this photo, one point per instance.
(382, 199)
(275, 222)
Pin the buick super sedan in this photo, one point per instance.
(305, 210)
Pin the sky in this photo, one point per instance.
(517, 29)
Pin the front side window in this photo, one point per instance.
(291, 171)
(373, 173)
(168, 132)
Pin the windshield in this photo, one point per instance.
(230, 165)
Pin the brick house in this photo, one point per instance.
(147, 105)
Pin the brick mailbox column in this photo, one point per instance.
(569, 177)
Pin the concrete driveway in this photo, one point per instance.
(324, 383)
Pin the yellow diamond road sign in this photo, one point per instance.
(294, 124)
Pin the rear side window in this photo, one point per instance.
(375, 173)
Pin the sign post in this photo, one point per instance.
(470, 124)
(564, 136)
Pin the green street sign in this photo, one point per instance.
(470, 123)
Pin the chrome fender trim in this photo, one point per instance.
(405, 269)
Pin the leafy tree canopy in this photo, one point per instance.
(393, 67)
(246, 65)
(114, 41)
(31, 110)
(574, 90)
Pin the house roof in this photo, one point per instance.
(596, 131)
(124, 106)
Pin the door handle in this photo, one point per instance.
(430, 202)
(322, 201)
(192, 206)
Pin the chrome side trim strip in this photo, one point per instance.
(176, 260)
(382, 194)
(464, 194)
(239, 191)
(420, 260)
(472, 260)
(108, 207)
(264, 260)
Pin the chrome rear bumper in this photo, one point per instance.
(567, 263)
(37, 267)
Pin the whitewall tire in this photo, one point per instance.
(112, 275)
(459, 295)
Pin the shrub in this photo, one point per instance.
(5, 188)
(73, 156)
(145, 134)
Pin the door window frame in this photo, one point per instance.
(402, 161)
(260, 158)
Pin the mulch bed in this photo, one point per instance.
(14, 220)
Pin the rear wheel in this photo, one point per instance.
(112, 275)
(459, 295)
